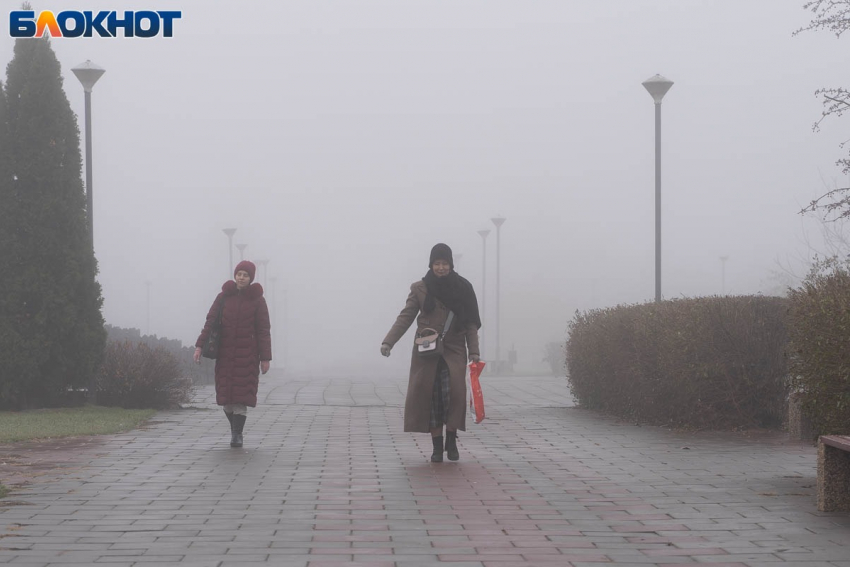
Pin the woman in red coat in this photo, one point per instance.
(245, 349)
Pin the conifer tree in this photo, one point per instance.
(52, 334)
(6, 244)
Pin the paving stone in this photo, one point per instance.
(327, 477)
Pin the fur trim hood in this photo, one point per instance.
(253, 291)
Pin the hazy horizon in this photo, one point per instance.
(343, 140)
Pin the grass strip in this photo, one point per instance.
(69, 422)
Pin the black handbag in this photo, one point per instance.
(429, 343)
(210, 349)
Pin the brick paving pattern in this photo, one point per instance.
(327, 478)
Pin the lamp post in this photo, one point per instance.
(264, 264)
(241, 248)
(229, 232)
(483, 234)
(498, 221)
(723, 274)
(274, 318)
(148, 285)
(88, 73)
(657, 87)
(457, 259)
(284, 331)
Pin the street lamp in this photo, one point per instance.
(657, 87)
(483, 234)
(457, 258)
(264, 264)
(274, 319)
(284, 331)
(241, 248)
(148, 285)
(723, 274)
(229, 232)
(498, 221)
(88, 73)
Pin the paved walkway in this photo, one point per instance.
(327, 478)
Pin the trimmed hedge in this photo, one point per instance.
(138, 376)
(819, 321)
(710, 362)
(199, 373)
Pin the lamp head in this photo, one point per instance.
(657, 87)
(88, 73)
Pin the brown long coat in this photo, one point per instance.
(423, 371)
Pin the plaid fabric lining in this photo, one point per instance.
(440, 396)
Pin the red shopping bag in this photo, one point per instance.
(476, 399)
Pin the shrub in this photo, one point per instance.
(712, 362)
(198, 373)
(819, 321)
(138, 376)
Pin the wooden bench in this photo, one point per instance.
(834, 473)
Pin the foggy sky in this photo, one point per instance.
(344, 139)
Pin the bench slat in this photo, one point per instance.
(838, 441)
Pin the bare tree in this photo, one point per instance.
(556, 357)
(833, 245)
(833, 16)
(830, 244)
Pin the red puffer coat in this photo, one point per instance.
(245, 341)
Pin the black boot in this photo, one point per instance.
(437, 455)
(229, 415)
(451, 445)
(236, 430)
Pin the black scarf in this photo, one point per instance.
(456, 293)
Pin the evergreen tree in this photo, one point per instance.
(6, 216)
(53, 336)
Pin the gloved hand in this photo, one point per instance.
(474, 358)
(385, 349)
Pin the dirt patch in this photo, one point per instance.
(24, 462)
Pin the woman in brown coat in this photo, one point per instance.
(245, 348)
(436, 390)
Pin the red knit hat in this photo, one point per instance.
(248, 267)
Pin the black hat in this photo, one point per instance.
(441, 252)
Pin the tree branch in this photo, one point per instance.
(832, 15)
(844, 102)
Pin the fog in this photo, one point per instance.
(343, 139)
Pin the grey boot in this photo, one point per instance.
(236, 430)
(437, 455)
